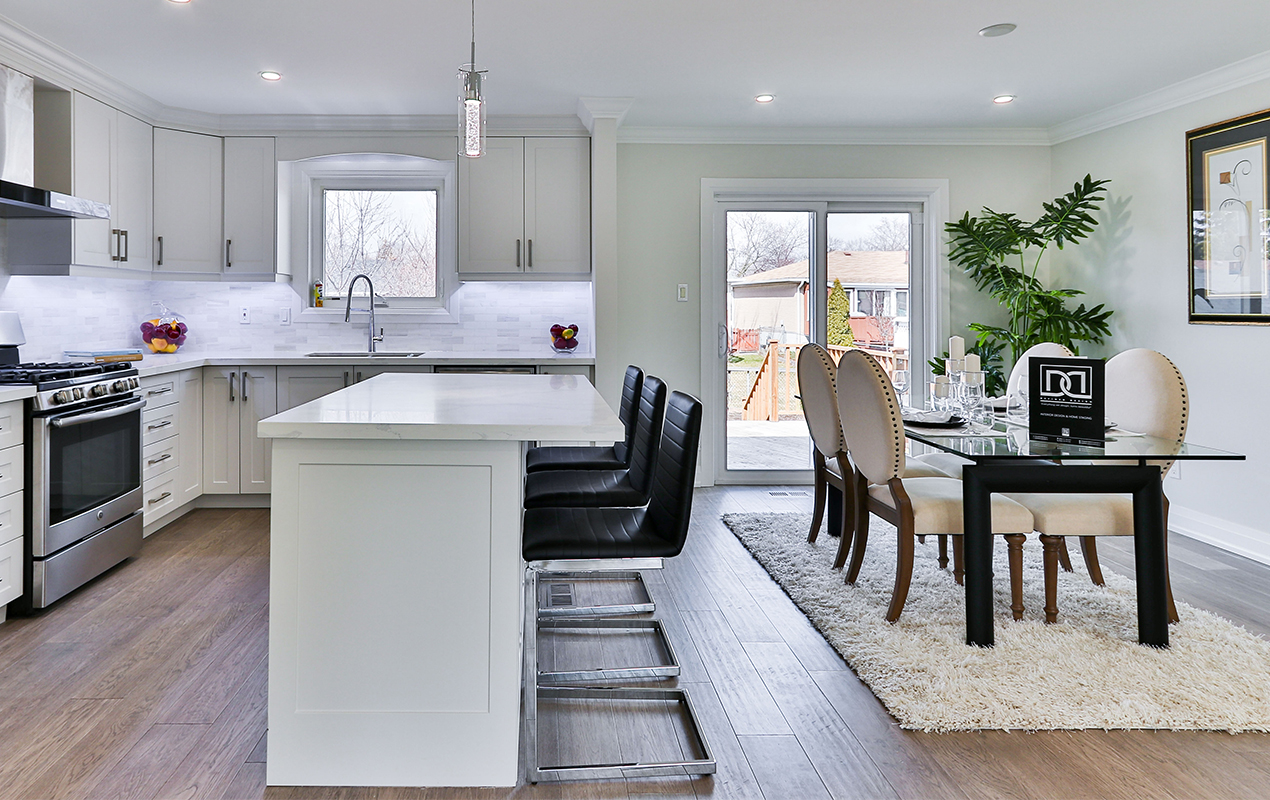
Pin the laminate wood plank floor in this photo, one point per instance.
(150, 682)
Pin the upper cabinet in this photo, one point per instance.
(525, 209)
(188, 203)
(250, 206)
(112, 162)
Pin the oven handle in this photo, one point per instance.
(71, 420)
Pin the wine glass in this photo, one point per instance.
(899, 379)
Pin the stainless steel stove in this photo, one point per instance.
(83, 473)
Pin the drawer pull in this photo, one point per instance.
(164, 390)
(161, 458)
(162, 424)
(161, 498)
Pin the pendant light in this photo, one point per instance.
(471, 103)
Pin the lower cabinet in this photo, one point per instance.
(12, 460)
(299, 385)
(235, 460)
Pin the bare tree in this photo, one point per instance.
(369, 232)
(891, 233)
(759, 241)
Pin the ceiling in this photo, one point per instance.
(686, 63)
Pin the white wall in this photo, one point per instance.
(1137, 263)
(659, 224)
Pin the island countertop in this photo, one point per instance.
(454, 407)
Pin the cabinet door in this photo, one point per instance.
(187, 202)
(93, 148)
(259, 400)
(299, 385)
(222, 397)
(361, 373)
(250, 214)
(558, 205)
(491, 208)
(134, 193)
(189, 479)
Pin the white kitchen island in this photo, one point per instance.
(395, 593)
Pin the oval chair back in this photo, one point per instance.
(870, 414)
(816, 378)
(671, 504)
(632, 385)
(647, 439)
(1019, 375)
(1146, 393)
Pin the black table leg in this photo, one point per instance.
(834, 511)
(977, 544)
(1151, 560)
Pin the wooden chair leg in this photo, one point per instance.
(943, 551)
(821, 494)
(1089, 549)
(861, 536)
(1014, 544)
(1051, 545)
(921, 538)
(903, 571)
(846, 524)
(959, 561)
(1064, 558)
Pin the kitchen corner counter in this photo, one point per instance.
(160, 364)
(8, 393)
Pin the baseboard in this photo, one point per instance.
(1230, 536)
(232, 501)
(166, 519)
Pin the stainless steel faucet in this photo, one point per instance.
(371, 338)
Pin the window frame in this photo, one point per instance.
(378, 172)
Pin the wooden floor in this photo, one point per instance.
(150, 683)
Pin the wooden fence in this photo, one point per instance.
(771, 389)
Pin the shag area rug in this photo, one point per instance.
(1087, 671)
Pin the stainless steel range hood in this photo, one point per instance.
(26, 202)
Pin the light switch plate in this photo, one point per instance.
(683, 292)
(284, 315)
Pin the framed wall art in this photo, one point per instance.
(1229, 189)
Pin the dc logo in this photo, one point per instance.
(1071, 382)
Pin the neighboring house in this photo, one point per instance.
(776, 301)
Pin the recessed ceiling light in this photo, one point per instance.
(1002, 99)
(270, 75)
(764, 98)
(182, 2)
(997, 30)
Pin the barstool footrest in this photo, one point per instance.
(603, 674)
(617, 609)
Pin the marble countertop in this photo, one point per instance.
(8, 393)
(160, 364)
(463, 407)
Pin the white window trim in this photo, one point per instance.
(310, 177)
(931, 296)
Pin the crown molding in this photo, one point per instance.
(1223, 79)
(1031, 137)
(592, 108)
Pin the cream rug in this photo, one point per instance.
(1087, 671)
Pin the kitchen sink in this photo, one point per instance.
(364, 354)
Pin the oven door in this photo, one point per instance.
(86, 472)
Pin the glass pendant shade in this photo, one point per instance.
(471, 112)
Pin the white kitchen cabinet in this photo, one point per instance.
(250, 206)
(299, 385)
(525, 208)
(12, 464)
(188, 203)
(189, 476)
(235, 460)
(112, 162)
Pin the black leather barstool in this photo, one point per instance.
(584, 540)
(632, 486)
(616, 456)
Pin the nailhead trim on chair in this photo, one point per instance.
(893, 410)
(831, 368)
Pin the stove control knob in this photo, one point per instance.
(97, 390)
(77, 393)
(64, 396)
(134, 383)
(120, 386)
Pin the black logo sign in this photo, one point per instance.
(1065, 400)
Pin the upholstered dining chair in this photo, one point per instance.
(1145, 394)
(871, 420)
(817, 375)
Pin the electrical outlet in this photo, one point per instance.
(1176, 472)
(244, 315)
(683, 292)
(284, 315)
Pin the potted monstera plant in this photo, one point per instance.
(1002, 253)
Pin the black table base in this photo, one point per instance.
(1143, 481)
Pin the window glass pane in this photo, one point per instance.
(389, 235)
(901, 304)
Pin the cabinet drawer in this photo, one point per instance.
(11, 423)
(160, 390)
(159, 423)
(160, 457)
(10, 571)
(11, 517)
(12, 460)
(159, 498)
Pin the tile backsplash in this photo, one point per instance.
(60, 313)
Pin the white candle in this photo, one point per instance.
(972, 363)
(956, 347)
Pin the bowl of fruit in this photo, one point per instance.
(564, 338)
(165, 333)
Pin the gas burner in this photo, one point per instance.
(43, 373)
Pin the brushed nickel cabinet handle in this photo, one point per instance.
(160, 261)
(517, 254)
(153, 392)
(345, 379)
(125, 246)
(162, 424)
(115, 255)
(159, 460)
(232, 375)
(228, 263)
(245, 377)
(160, 498)
(530, 260)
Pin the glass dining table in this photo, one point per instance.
(1006, 460)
